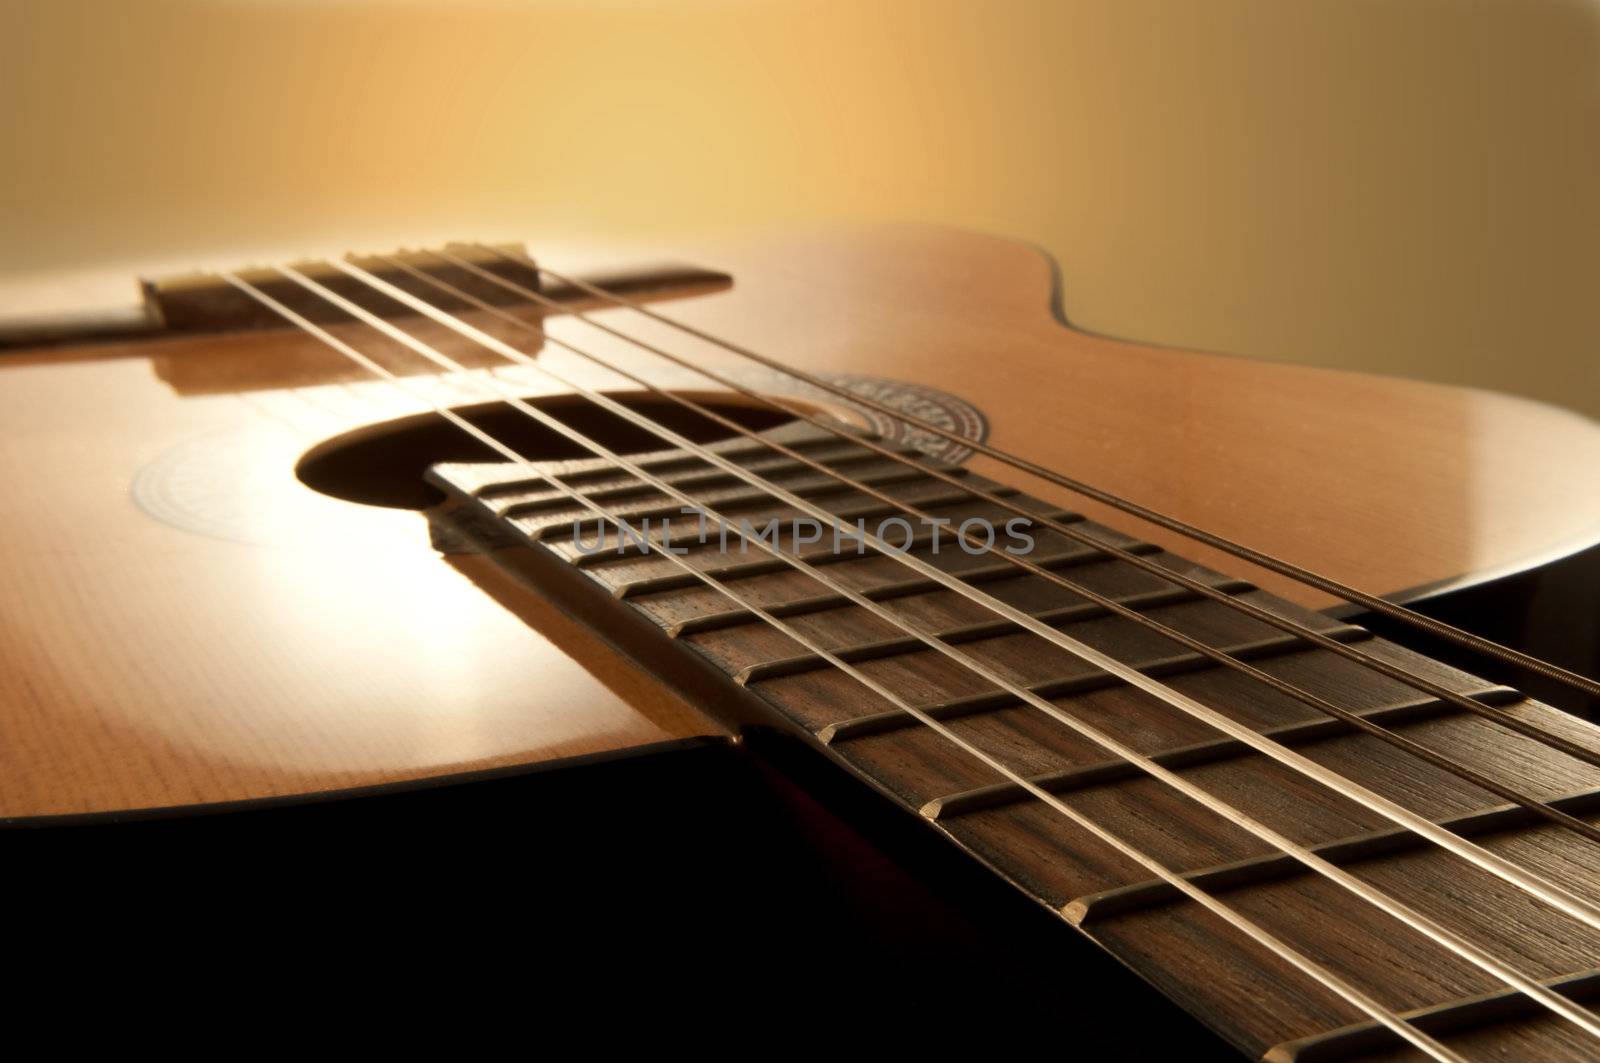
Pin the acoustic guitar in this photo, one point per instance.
(820, 638)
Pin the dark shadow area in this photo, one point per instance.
(692, 893)
(1552, 612)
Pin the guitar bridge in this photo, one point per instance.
(203, 303)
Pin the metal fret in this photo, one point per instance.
(844, 513)
(702, 478)
(665, 462)
(1176, 664)
(1103, 771)
(1450, 1017)
(899, 589)
(880, 648)
(1340, 851)
(821, 555)
(749, 497)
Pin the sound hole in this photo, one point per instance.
(383, 464)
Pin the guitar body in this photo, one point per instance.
(200, 608)
(187, 622)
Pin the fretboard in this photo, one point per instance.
(1251, 997)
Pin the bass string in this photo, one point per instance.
(1354, 654)
(1307, 966)
(1551, 893)
(1416, 921)
(1298, 573)
(1431, 756)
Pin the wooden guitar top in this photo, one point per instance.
(183, 621)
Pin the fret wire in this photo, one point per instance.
(1315, 971)
(1300, 574)
(1385, 734)
(1530, 882)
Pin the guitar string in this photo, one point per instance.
(1397, 910)
(1355, 654)
(1307, 966)
(1559, 1005)
(1558, 896)
(1299, 573)
(1540, 808)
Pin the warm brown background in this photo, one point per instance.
(1404, 185)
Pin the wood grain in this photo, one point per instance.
(181, 621)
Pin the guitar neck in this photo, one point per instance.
(1242, 990)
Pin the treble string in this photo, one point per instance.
(1307, 966)
(1477, 778)
(1298, 573)
(1526, 880)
